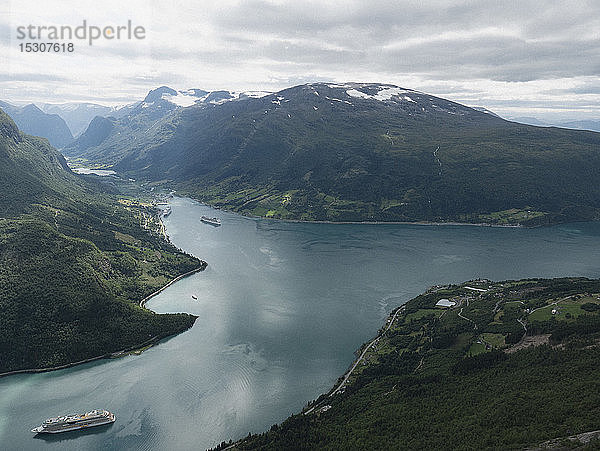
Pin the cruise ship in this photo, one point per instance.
(75, 421)
(212, 221)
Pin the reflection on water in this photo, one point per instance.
(73, 435)
(281, 309)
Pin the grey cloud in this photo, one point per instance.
(16, 77)
(444, 44)
(504, 59)
(586, 88)
(544, 103)
(546, 43)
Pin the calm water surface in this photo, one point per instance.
(282, 307)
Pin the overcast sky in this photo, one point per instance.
(518, 58)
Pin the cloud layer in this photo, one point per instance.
(512, 56)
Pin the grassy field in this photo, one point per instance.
(475, 349)
(564, 309)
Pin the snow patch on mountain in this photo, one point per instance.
(358, 94)
(338, 100)
(220, 97)
(339, 85)
(181, 99)
(384, 93)
(255, 94)
(388, 93)
(193, 96)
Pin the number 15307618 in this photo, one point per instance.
(46, 47)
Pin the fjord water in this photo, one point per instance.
(281, 306)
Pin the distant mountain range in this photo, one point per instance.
(351, 152)
(592, 125)
(59, 123)
(79, 115)
(34, 121)
(118, 131)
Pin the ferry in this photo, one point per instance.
(212, 221)
(74, 422)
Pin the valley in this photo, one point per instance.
(281, 308)
(345, 169)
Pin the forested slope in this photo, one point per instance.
(74, 262)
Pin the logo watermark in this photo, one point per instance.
(36, 35)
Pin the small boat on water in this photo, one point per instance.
(75, 421)
(194, 297)
(212, 221)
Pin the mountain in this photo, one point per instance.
(77, 115)
(132, 124)
(75, 262)
(591, 125)
(509, 365)
(34, 121)
(359, 152)
(484, 110)
(98, 130)
(531, 121)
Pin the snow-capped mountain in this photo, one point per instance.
(349, 151)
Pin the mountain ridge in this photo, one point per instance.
(34, 121)
(359, 152)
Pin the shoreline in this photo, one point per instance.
(340, 383)
(304, 221)
(152, 340)
(115, 354)
(419, 223)
(189, 195)
(202, 267)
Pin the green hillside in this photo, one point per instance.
(361, 152)
(74, 262)
(465, 377)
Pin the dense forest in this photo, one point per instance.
(74, 262)
(510, 365)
